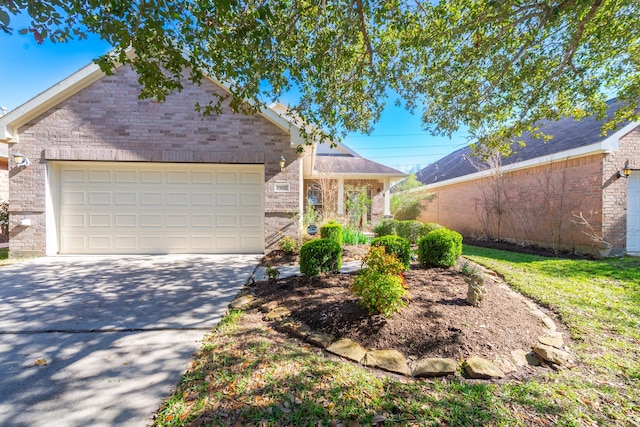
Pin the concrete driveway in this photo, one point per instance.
(117, 333)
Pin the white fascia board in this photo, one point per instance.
(376, 176)
(612, 142)
(607, 145)
(10, 122)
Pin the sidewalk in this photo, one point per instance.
(294, 270)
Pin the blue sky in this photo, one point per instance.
(29, 69)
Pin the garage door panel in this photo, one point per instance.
(100, 176)
(100, 220)
(202, 199)
(124, 243)
(126, 177)
(160, 208)
(181, 177)
(225, 178)
(100, 198)
(73, 175)
(203, 220)
(202, 178)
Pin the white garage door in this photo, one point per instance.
(633, 214)
(153, 208)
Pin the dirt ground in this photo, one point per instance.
(436, 322)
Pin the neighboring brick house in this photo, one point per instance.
(111, 173)
(569, 193)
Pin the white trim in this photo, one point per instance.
(605, 146)
(10, 122)
(387, 197)
(376, 176)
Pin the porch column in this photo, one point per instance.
(340, 196)
(387, 196)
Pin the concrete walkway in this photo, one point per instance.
(294, 270)
(114, 334)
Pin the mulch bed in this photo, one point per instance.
(437, 321)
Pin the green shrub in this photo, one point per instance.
(4, 218)
(319, 256)
(332, 231)
(395, 245)
(386, 227)
(428, 228)
(351, 236)
(288, 245)
(440, 248)
(410, 230)
(380, 286)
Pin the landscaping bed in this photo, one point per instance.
(436, 322)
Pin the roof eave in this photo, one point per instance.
(10, 122)
(607, 145)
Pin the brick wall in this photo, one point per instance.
(614, 193)
(106, 121)
(540, 205)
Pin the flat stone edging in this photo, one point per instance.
(549, 349)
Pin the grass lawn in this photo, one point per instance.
(248, 374)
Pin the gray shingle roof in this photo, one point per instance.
(568, 134)
(353, 165)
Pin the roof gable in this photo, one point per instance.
(10, 122)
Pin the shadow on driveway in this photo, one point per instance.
(117, 333)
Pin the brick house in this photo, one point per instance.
(569, 193)
(114, 174)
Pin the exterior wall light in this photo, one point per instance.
(282, 161)
(626, 171)
(20, 159)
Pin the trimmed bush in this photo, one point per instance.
(386, 227)
(410, 230)
(332, 231)
(319, 256)
(380, 286)
(428, 228)
(440, 248)
(395, 245)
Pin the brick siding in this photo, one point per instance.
(614, 189)
(539, 205)
(107, 122)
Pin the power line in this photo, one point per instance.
(407, 155)
(388, 135)
(413, 146)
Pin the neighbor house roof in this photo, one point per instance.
(571, 138)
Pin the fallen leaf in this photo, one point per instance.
(41, 362)
(377, 419)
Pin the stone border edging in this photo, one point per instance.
(549, 349)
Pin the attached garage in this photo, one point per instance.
(151, 208)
